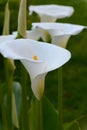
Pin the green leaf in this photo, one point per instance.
(16, 101)
(72, 126)
(50, 116)
(83, 123)
(77, 124)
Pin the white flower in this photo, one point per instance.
(35, 34)
(38, 59)
(6, 38)
(50, 13)
(60, 32)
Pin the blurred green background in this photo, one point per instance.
(75, 71)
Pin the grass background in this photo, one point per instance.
(75, 71)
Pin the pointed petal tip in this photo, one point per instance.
(38, 86)
(38, 93)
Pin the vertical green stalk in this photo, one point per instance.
(22, 27)
(25, 111)
(34, 115)
(60, 99)
(9, 81)
(40, 116)
(36, 119)
(3, 110)
(9, 69)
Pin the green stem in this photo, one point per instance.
(39, 115)
(9, 81)
(36, 115)
(25, 111)
(3, 110)
(39, 118)
(60, 99)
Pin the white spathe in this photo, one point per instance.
(31, 34)
(52, 12)
(38, 59)
(60, 32)
(35, 34)
(6, 38)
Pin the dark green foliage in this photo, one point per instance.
(50, 116)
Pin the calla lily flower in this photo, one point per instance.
(50, 13)
(59, 32)
(36, 34)
(38, 59)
